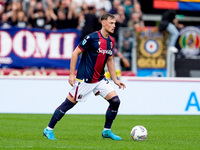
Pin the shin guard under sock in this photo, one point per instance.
(60, 112)
(112, 111)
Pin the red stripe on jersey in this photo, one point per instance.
(100, 59)
(113, 42)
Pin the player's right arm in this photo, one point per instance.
(73, 62)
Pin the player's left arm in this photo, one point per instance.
(111, 69)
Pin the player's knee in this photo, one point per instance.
(63, 108)
(70, 98)
(114, 102)
(66, 105)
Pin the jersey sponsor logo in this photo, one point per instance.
(100, 50)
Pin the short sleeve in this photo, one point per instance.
(86, 43)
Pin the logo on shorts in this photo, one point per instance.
(80, 96)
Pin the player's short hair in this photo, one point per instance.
(106, 16)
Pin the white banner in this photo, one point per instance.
(142, 96)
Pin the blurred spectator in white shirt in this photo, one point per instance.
(4, 22)
(106, 4)
(20, 20)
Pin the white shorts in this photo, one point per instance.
(81, 89)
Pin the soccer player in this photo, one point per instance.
(96, 49)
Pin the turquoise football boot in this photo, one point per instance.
(109, 134)
(49, 134)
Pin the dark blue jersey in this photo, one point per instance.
(96, 50)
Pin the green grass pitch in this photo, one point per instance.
(76, 132)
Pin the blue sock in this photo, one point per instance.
(111, 111)
(60, 112)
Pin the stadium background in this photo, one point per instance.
(31, 57)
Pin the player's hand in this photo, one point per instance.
(71, 80)
(120, 84)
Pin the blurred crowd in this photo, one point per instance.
(63, 14)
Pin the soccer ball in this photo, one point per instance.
(139, 133)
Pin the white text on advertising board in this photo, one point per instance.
(37, 45)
